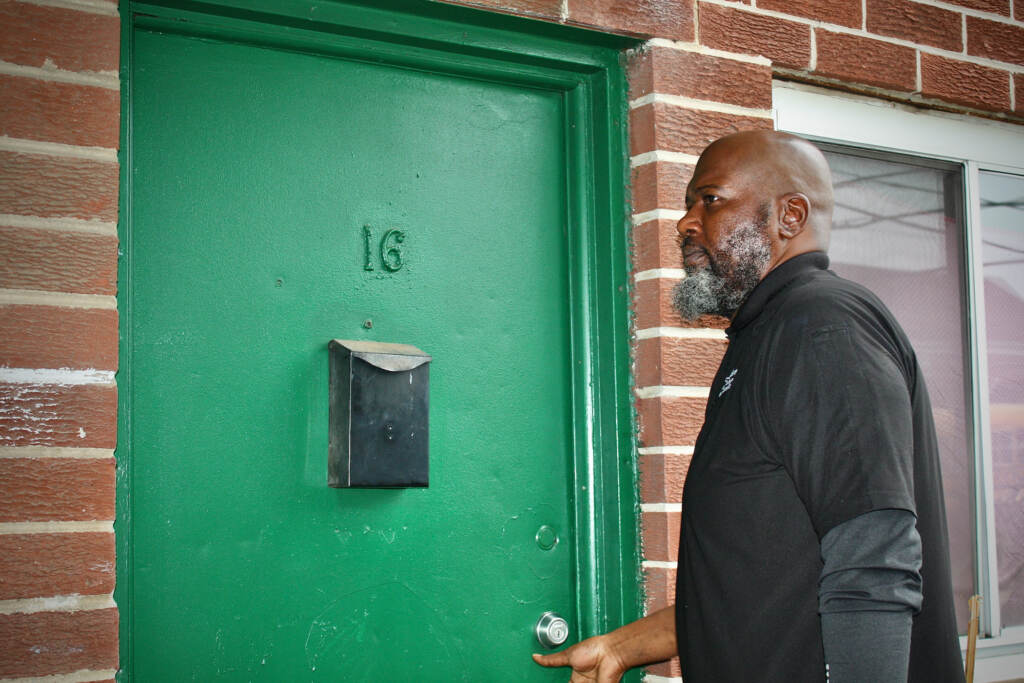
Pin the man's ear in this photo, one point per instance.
(796, 209)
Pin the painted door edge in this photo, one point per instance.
(588, 67)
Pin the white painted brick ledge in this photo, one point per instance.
(92, 6)
(41, 452)
(36, 297)
(673, 392)
(93, 227)
(681, 333)
(651, 678)
(99, 79)
(663, 155)
(103, 527)
(57, 149)
(665, 450)
(656, 273)
(658, 564)
(664, 508)
(58, 603)
(658, 214)
(59, 376)
(81, 676)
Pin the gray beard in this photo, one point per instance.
(722, 286)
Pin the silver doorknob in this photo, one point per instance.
(552, 630)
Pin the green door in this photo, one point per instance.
(283, 192)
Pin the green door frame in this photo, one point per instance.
(587, 67)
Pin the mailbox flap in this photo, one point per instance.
(390, 357)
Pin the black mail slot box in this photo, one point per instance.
(378, 415)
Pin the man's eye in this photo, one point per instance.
(709, 199)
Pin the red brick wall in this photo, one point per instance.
(59, 127)
(705, 70)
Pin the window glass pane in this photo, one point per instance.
(898, 230)
(1002, 219)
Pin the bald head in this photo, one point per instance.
(756, 199)
(778, 166)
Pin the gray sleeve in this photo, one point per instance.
(870, 589)
(866, 647)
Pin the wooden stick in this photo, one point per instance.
(972, 637)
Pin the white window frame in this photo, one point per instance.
(977, 145)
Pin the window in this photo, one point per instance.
(930, 215)
(1002, 234)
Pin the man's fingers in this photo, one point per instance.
(554, 659)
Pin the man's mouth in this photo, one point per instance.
(695, 257)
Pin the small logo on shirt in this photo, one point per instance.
(727, 385)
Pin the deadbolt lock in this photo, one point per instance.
(552, 630)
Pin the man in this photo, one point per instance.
(813, 544)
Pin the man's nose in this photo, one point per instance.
(688, 225)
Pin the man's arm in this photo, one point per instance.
(605, 658)
(870, 589)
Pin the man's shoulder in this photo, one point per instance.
(823, 301)
(825, 296)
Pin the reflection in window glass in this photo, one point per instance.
(898, 229)
(1002, 218)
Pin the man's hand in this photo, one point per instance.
(591, 660)
(603, 659)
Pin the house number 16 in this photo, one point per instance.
(390, 249)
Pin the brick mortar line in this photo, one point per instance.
(661, 507)
(57, 149)
(58, 376)
(665, 450)
(55, 452)
(35, 297)
(812, 62)
(82, 225)
(98, 79)
(697, 48)
(663, 156)
(846, 30)
(658, 564)
(699, 105)
(92, 527)
(659, 273)
(58, 603)
(963, 36)
(654, 678)
(96, 7)
(671, 391)
(80, 676)
(666, 332)
(696, 23)
(657, 214)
